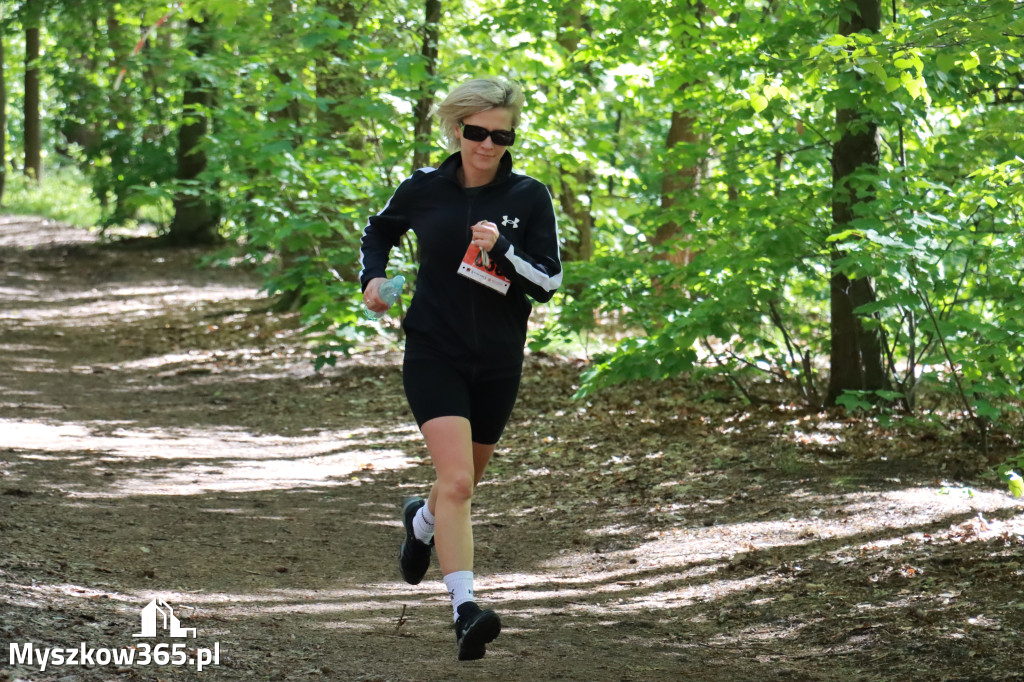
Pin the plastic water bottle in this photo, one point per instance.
(389, 292)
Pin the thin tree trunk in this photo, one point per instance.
(581, 246)
(336, 80)
(33, 127)
(290, 115)
(678, 184)
(856, 351)
(3, 122)
(195, 215)
(291, 111)
(424, 122)
(572, 28)
(681, 180)
(118, 141)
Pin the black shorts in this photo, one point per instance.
(442, 387)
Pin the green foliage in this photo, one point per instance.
(305, 167)
(311, 131)
(62, 195)
(940, 240)
(122, 129)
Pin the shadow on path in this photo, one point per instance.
(159, 441)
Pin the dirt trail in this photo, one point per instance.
(160, 441)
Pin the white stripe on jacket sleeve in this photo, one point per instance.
(532, 274)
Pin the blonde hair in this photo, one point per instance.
(474, 96)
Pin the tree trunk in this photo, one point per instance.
(856, 349)
(424, 123)
(336, 80)
(3, 122)
(289, 116)
(291, 111)
(33, 127)
(678, 183)
(281, 10)
(573, 26)
(681, 180)
(195, 215)
(117, 141)
(581, 246)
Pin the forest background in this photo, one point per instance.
(821, 196)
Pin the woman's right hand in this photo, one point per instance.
(371, 295)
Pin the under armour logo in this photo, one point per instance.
(514, 223)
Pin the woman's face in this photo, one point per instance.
(483, 157)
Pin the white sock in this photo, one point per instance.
(460, 589)
(423, 525)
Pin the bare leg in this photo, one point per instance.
(460, 464)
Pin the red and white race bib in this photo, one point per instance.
(478, 266)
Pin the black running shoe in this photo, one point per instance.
(413, 556)
(474, 630)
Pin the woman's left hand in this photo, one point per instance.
(485, 235)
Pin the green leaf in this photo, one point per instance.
(986, 409)
(912, 85)
(875, 68)
(853, 401)
(945, 60)
(276, 147)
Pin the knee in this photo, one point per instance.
(456, 488)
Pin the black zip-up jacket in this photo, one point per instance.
(450, 313)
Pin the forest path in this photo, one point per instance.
(160, 441)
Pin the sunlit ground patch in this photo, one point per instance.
(188, 461)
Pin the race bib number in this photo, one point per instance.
(478, 266)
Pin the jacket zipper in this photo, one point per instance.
(472, 300)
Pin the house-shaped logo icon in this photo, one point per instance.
(169, 620)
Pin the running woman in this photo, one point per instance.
(488, 239)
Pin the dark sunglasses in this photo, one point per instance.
(504, 138)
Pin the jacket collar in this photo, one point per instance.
(450, 166)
